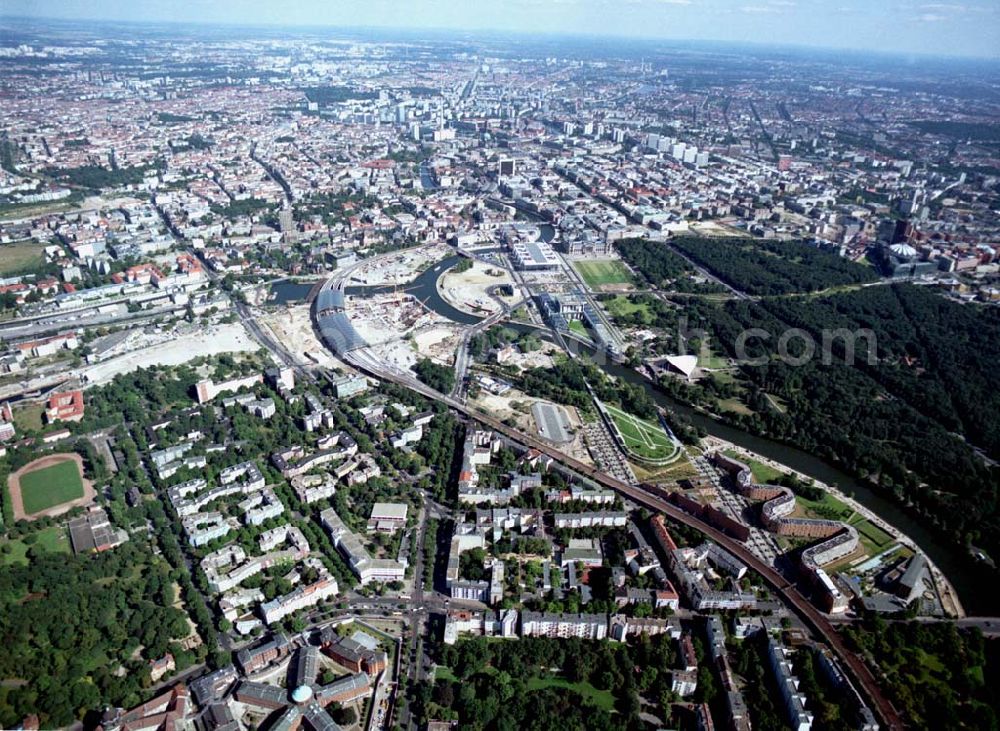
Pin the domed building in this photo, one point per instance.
(903, 251)
(901, 261)
(302, 694)
(304, 702)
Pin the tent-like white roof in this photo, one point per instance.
(684, 363)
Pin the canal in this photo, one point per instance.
(289, 291)
(966, 575)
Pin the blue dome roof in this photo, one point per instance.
(302, 694)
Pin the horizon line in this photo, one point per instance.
(667, 40)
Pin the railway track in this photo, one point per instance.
(788, 591)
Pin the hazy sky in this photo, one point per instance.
(943, 27)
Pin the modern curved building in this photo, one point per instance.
(836, 539)
(335, 328)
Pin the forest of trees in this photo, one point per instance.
(503, 684)
(325, 95)
(497, 336)
(440, 378)
(244, 207)
(934, 353)
(936, 675)
(654, 262)
(979, 131)
(566, 383)
(763, 267)
(69, 622)
(97, 177)
(901, 422)
(660, 267)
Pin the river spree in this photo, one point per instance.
(967, 576)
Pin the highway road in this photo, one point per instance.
(462, 356)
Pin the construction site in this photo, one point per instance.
(477, 290)
(398, 267)
(400, 329)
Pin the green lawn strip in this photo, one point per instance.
(872, 534)
(762, 474)
(828, 508)
(44, 488)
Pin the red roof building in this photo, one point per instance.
(65, 406)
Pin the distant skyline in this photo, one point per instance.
(919, 27)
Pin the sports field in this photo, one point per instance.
(598, 273)
(46, 487)
(643, 439)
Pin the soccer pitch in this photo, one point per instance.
(47, 487)
(643, 439)
(598, 273)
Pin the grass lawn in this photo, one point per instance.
(724, 377)
(598, 273)
(762, 473)
(713, 361)
(51, 540)
(622, 305)
(874, 538)
(827, 508)
(50, 486)
(20, 256)
(578, 328)
(602, 698)
(645, 439)
(29, 417)
(28, 210)
(733, 405)
(680, 469)
(443, 672)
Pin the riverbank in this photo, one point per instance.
(950, 601)
(471, 291)
(965, 577)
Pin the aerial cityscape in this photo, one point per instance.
(479, 374)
